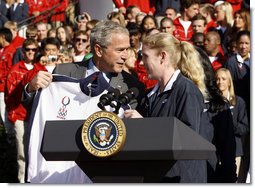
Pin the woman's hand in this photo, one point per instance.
(132, 114)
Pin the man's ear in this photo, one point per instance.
(98, 50)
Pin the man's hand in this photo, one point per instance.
(41, 80)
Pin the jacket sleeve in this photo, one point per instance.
(224, 140)
(241, 123)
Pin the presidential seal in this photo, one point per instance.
(103, 134)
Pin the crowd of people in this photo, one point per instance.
(188, 58)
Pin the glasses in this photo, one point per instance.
(79, 39)
(31, 49)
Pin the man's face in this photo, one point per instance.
(113, 57)
(81, 42)
(211, 44)
(167, 27)
(30, 51)
(198, 26)
(192, 11)
(199, 41)
(41, 31)
(170, 13)
(51, 49)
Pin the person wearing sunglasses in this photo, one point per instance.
(17, 114)
(81, 45)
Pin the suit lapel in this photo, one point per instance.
(118, 82)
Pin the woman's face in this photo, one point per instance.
(222, 81)
(149, 24)
(61, 34)
(244, 46)
(219, 14)
(151, 61)
(130, 61)
(239, 22)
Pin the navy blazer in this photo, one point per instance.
(19, 14)
(3, 13)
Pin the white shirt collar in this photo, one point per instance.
(92, 69)
(169, 84)
(240, 59)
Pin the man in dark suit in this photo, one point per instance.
(18, 12)
(3, 13)
(109, 44)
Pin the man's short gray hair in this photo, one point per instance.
(101, 33)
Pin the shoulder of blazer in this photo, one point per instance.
(76, 70)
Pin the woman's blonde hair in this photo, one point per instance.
(227, 8)
(183, 56)
(232, 98)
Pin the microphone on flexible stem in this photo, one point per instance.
(125, 98)
(106, 99)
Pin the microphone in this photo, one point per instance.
(125, 98)
(106, 99)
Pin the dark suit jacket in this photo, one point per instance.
(3, 13)
(122, 81)
(19, 14)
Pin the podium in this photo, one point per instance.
(152, 146)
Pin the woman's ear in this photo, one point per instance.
(162, 56)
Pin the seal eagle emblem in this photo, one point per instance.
(103, 134)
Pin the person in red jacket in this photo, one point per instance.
(38, 9)
(58, 16)
(207, 10)
(17, 114)
(146, 6)
(183, 27)
(17, 41)
(6, 55)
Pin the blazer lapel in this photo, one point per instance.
(117, 82)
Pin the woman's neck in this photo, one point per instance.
(225, 93)
(165, 79)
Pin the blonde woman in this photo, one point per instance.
(174, 95)
(224, 19)
(238, 108)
